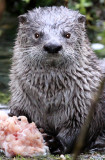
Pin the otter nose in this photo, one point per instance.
(52, 48)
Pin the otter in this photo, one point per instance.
(55, 77)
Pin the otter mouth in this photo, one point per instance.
(53, 57)
(52, 63)
(54, 60)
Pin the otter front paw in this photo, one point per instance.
(56, 146)
(51, 142)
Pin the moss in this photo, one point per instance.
(49, 157)
(93, 156)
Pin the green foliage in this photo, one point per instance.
(4, 98)
(44, 3)
(86, 7)
(26, 1)
(100, 53)
(82, 5)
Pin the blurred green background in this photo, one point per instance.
(10, 9)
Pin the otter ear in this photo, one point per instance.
(81, 19)
(23, 19)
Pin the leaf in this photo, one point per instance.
(88, 4)
(77, 6)
(27, 1)
(88, 17)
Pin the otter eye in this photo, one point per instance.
(37, 35)
(67, 35)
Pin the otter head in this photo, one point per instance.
(52, 36)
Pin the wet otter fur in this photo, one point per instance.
(55, 76)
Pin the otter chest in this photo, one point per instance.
(62, 97)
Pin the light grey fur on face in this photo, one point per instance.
(51, 25)
(55, 90)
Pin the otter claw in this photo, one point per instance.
(10, 114)
(58, 151)
(41, 130)
(51, 140)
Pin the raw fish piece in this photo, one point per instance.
(18, 137)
